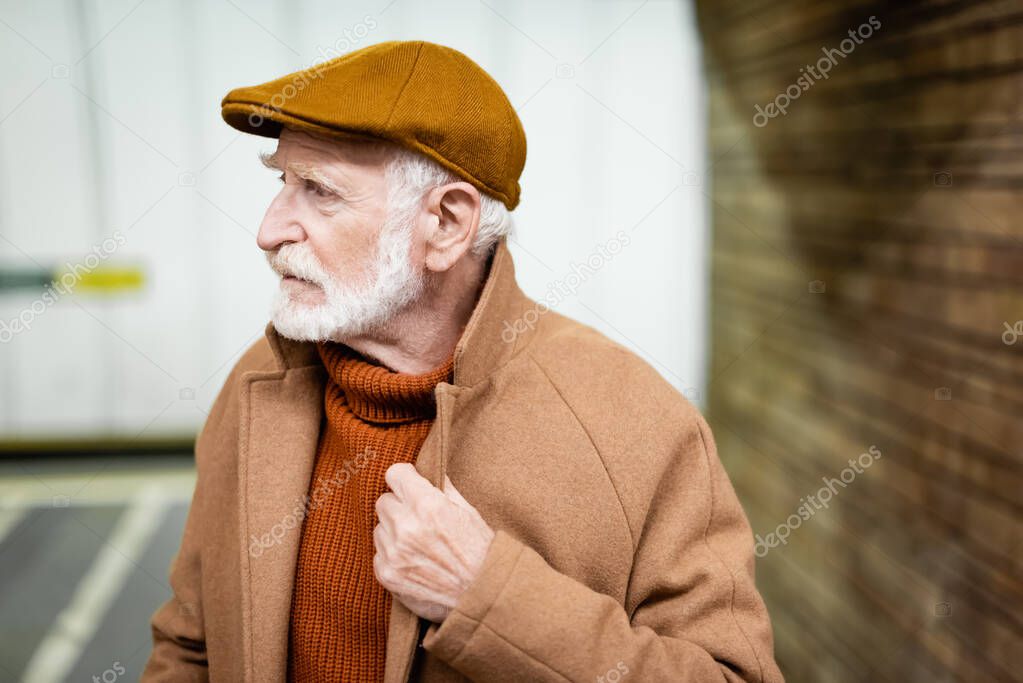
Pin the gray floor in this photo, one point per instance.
(83, 564)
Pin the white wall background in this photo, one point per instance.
(109, 122)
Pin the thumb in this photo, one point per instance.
(453, 495)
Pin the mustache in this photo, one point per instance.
(298, 262)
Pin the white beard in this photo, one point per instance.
(348, 310)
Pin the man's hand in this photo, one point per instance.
(430, 544)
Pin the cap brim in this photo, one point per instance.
(262, 120)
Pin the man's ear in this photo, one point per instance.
(454, 215)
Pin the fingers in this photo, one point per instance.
(453, 494)
(406, 482)
(387, 508)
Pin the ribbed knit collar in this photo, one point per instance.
(376, 393)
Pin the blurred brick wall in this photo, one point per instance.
(867, 283)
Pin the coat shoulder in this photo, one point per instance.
(595, 369)
(639, 424)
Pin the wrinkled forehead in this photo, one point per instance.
(302, 146)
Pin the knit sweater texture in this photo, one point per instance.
(373, 417)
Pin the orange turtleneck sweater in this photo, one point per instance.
(373, 418)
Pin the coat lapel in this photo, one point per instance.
(403, 626)
(281, 412)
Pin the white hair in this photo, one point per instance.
(411, 175)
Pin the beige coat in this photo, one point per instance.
(621, 551)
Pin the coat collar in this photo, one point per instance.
(495, 332)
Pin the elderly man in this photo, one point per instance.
(421, 474)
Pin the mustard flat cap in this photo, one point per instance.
(426, 97)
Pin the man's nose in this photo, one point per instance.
(279, 224)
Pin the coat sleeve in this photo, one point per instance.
(692, 612)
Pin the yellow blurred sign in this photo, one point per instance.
(110, 279)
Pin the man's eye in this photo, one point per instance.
(320, 190)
